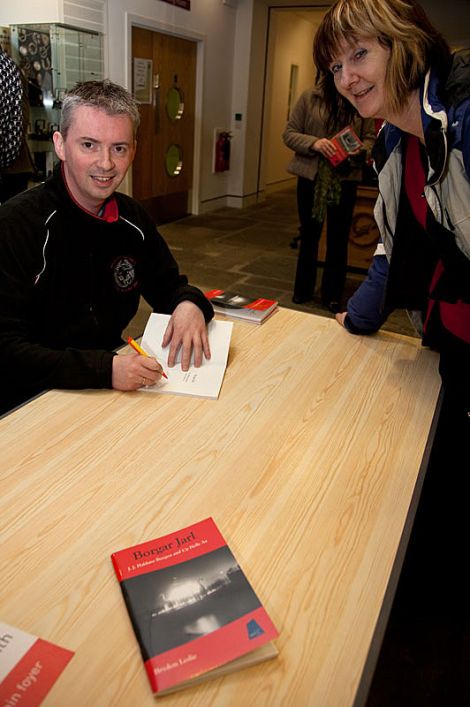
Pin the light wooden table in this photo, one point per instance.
(308, 462)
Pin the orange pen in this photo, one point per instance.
(140, 351)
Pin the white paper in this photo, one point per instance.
(204, 381)
(17, 644)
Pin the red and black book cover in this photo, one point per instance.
(237, 305)
(347, 143)
(191, 606)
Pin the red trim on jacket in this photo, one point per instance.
(109, 209)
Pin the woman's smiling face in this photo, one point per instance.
(359, 70)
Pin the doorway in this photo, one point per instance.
(289, 71)
(163, 166)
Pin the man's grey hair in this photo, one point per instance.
(109, 97)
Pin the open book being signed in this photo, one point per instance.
(204, 381)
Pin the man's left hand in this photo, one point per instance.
(187, 330)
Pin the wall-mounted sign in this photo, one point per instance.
(143, 80)
(184, 4)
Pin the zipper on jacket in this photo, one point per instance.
(438, 201)
(385, 220)
(449, 222)
(444, 214)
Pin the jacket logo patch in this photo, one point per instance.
(124, 273)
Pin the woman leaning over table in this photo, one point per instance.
(384, 59)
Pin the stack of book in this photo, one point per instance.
(234, 305)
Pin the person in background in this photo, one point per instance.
(322, 191)
(11, 115)
(386, 59)
(76, 257)
(16, 177)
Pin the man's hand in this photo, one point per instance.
(340, 317)
(134, 371)
(187, 330)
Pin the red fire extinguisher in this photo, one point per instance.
(222, 152)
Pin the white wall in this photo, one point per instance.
(247, 99)
(290, 42)
(86, 14)
(236, 188)
(31, 11)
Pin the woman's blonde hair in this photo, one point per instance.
(400, 25)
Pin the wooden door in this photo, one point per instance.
(163, 166)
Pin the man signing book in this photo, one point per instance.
(76, 258)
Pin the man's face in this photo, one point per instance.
(96, 155)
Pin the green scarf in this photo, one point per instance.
(327, 190)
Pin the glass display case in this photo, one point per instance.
(53, 58)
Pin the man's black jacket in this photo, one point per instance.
(70, 282)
